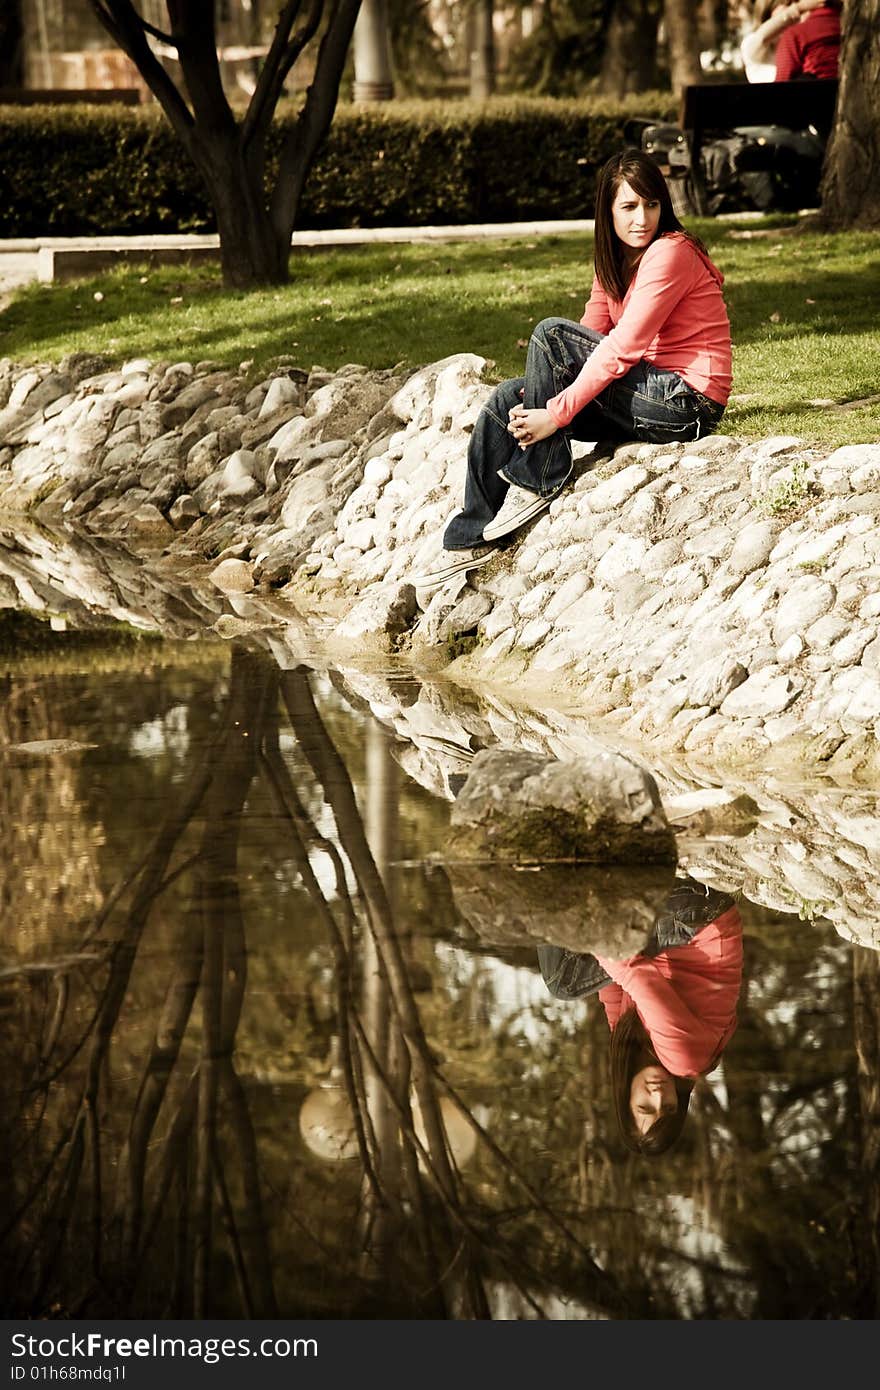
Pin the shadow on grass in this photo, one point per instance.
(387, 304)
(372, 319)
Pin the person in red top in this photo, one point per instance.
(671, 1016)
(649, 360)
(811, 48)
(671, 1008)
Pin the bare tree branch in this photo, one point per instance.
(125, 26)
(303, 141)
(262, 103)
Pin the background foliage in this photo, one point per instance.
(80, 171)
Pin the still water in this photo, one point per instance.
(268, 1050)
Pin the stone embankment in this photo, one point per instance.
(645, 612)
(720, 600)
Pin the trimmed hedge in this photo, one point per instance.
(89, 170)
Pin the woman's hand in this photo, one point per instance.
(528, 426)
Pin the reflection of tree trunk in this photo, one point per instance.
(866, 983)
(224, 956)
(333, 775)
(251, 1223)
(746, 1057)
(462, 1235)
(163, 1056)
(629, 63)
(379, 1227)
(211, 949)
(461, 1281)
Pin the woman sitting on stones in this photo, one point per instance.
(650, 360)
(671, 1009)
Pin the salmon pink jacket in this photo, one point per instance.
(673, 315)
(686, 996)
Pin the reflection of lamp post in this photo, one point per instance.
(460, 1135)
(325, 1119)
(326, 1124)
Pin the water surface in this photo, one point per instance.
(245, 992)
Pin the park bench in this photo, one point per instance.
(710, 109)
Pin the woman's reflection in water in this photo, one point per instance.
(671, 1009)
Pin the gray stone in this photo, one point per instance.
(713, 682)
(50, 389)
(386, 612)
(233, 577)
(752, 547)
(769, 691)
(166, 451)
(80, 366)
(149, 523)
(523, 807)
(800, 605)
(584, 908)
(183, 512)
(186, 402)
(202, 459)
(282, 392)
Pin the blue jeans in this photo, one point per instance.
(647, 404)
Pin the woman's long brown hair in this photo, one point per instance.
(631, 1049)
(642, 175)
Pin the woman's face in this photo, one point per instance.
(635, 218)
(651, 1094)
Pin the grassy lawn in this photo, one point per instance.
(803, 307)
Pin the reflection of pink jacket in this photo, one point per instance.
(686, 996)
(672, 315)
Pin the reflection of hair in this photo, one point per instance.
(644, 176)
(630, 1051)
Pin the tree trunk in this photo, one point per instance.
(482, 50)
(851, 177)
(372, 53)
(11, 45)
(230, 153)
(251, 252)
(629, 63)
(712, 17)
(682, 43)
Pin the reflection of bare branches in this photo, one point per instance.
(429, 1156)
(464, 1287)
(550, 1202)
(251, 1224)
(292, 810)
(866, 988)
(212, 950)
(62, 995)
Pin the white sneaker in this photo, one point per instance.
(517, 508)
(464, 560)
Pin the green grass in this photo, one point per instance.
(802, 306)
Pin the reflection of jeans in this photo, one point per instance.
(648, 403)
(689, 907)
